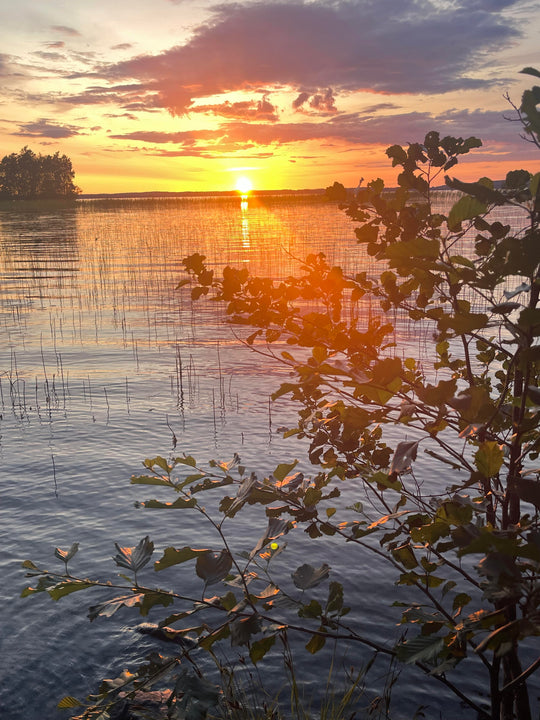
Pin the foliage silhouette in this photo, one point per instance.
(27, 176)
(470, 553)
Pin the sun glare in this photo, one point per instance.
(244, 185)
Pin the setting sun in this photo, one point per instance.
(244, 185)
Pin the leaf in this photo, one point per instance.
(505, 308)
(66, 555)
(405, 556)
(66, 588)
(385, 518)
(290, 482)
(460, 600)
(179, 503)
(243, 628)
(213, 566)
(214, 636)
(423, 648)
(312, 610)
(466, 208)
(335, 598)
(159, 461)
(282, 470)
(68, 702)
(149, 480)
(30, 565)
(307, 576)
(134, 558)
(404, 455)
(269, 591)
(109, 607)
(243, 493)
(489, 458)
(260, 647)
(384, 480)
(482, 191)
(149, 599)
(499, 636)
(531, 71)
(315, 643)
(186, 460)
(174, 556)
(276, 528)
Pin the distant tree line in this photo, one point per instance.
(27, 176)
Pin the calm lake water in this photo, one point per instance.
(103, 362)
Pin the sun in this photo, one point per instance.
(244, 185)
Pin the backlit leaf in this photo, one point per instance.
(465, 208)
(260, 647)
(282, 470)
(174, 556)
(405, 556)
(134, 558)
(489, 458)
(149, 480)
(68, 702)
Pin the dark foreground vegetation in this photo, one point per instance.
(27, 176)
(468, 554)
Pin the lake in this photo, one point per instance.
(103, 362)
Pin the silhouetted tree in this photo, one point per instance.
(27, 176)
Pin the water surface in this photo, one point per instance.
(103, 362)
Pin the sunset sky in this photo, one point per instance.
(177, 95)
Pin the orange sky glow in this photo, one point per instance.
(190, 95)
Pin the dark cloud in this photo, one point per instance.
(322, 103)
(247, 110)
(403, 46)
(45, 129)
(300, 100)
